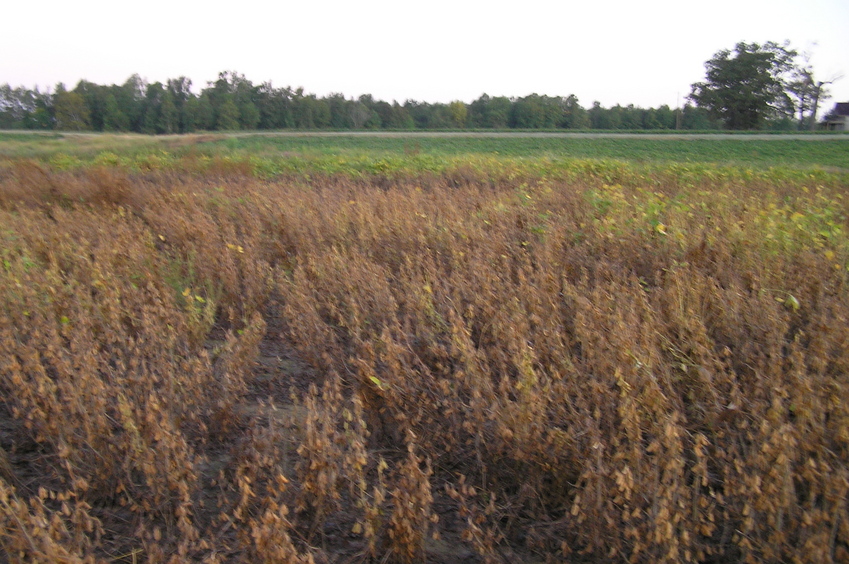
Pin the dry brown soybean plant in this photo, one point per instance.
(198, 364)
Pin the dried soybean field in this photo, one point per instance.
(423, 349)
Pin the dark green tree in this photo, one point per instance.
(169, 115)
(248, 115)
(95, 100)
(205, 115)
(275, 107)
(384, 112)
(488, 112)
(420, 112)
(227, 114)
(630, 117)
(340, 112)
(373, 121)
(151, 122)
(574, 116)
(603, 118)
(180, 90)
(131, 98)
(746, 87)
(113, 118)
(536, 112)
(189, 119)
(303, 110)
(234, 99)
(695, 118)
(400, 118)
(663, 116)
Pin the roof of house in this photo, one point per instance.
(842, 109)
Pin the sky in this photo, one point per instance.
(645, 53)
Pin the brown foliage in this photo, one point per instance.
(561, 368)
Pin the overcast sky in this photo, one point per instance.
(645, 53)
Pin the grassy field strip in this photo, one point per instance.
(797, 152)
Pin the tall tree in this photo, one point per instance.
(574, 116)
(340, 113)
(70, 109)
(359, 114)
(169, 116)
(41, 116)
(401, 118)
(227, 114)
(535, 111)
(113, 118)
(205, 116)
(459, 113)
(807, 92)
(698, 119)
(490, 112)
(95, 99)
(180, 91)
(746, 87)
(131, 98)
(151, 122)
(17, 105)
(234, 99)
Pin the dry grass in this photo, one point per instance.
(549, 368)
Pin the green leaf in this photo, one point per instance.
(792, 303)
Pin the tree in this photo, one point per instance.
(459, 113)
(574, 116)
(807, 92)
(275, 107)
(535, 112)
(17, 106)
(94, 96)
(169, 116)
(747, 87)
(602, 118)
(71, 111)
(360, 114)
(152, 123)
(489, 112)
(248, 115)
(132, 100)
(227, 114)
(694, 118)
(180, 92)
(199, 113)
(663, 116)
(113, 118)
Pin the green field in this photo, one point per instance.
(761, 153)
(830, 152)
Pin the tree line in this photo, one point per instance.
(233, 102)
(752, 87)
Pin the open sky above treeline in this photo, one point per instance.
(615, 52)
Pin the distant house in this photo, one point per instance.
(839, 120)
